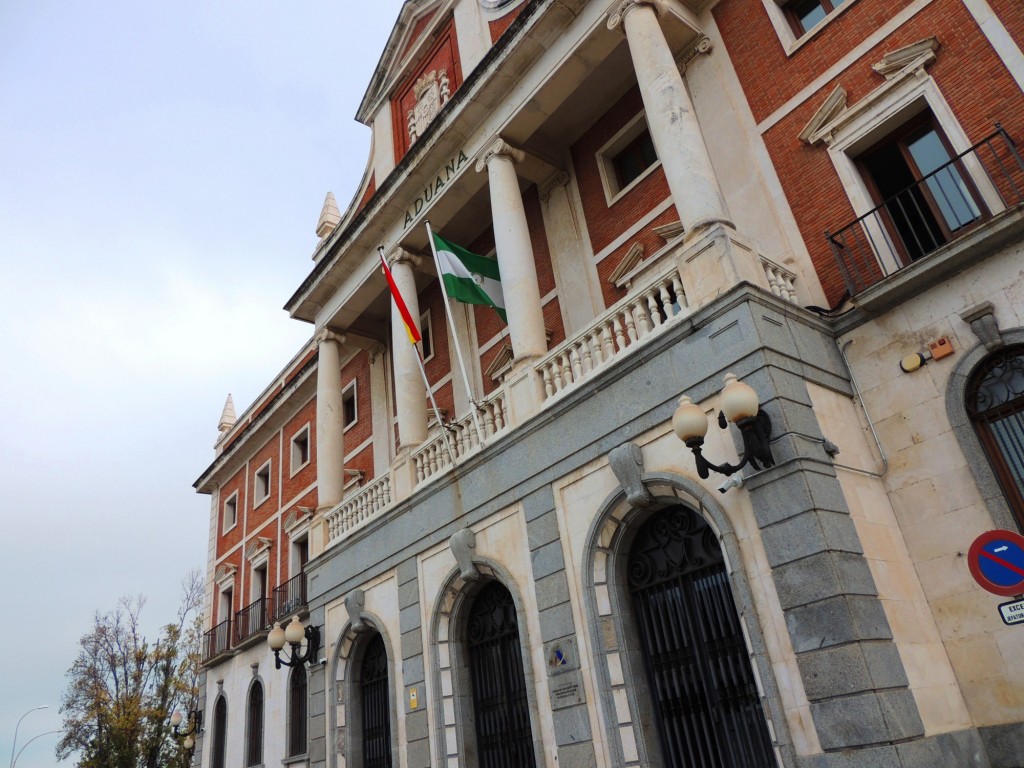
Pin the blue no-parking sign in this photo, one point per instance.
(996, 560)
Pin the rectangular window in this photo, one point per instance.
(925, 194)
(349, 406)
(804, 15)
(300, 449)
(634, 159)
(627, 158)
(230, 513)
(428, 338)
(261, 488)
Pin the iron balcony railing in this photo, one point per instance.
(252, 619)
(289, 597)
(217, 640)
(936, 210)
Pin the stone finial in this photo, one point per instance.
(982, 320)
(330, 217)
(227, 416)
(627, 462)
(462, 544)
(354, 603)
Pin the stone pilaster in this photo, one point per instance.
(669, 110)
(575, 273)
(330, 422)
(515, 252)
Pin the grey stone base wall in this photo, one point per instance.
(999, 746)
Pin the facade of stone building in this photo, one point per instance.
(820, 197)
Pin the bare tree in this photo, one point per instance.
(122, 688)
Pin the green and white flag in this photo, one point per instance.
(469, 278)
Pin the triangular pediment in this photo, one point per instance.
(416, 22)
(832, 108)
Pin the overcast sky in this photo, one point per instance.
(162, 169)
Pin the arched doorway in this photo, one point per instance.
(500, 704)
(706, 704)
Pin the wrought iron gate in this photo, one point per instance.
(503, 735)
(708, 711)
(376, 708)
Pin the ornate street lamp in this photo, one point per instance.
(293, 634)
(740, 406)
(195, 723)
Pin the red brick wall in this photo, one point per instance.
(651, 242)
(444, 54)
(358, 369)
(972, 79)
(294, 483)
(1011, 14)
(260, 512)
(605, 222)
(225, 541)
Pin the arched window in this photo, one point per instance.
(995, 403)
(500, 706)
(297, 697)
(254, 726)
(220, 734)
(375, 709)
(707, 710)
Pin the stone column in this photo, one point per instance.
(330, 422)
(670, 117)
(515, 253)
(410, 397)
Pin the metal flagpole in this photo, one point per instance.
(437, 411)
(455, 336)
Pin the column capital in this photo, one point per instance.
(560, 179)
(326, 334)
(398, 255)
(617, 15)
(498, 148)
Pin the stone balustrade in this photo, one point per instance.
(646, 312)
(433, 457)
(356, 510)
(780, 280)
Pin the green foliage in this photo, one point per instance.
(122, 688)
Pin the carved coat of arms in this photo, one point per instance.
(432, 92)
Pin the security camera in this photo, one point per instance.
(735, 481)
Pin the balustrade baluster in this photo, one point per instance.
(577, 364)
(666, 301)
(549, 386)
(499, 415)
(643, 322)
(620, 338)
(677, 289)
(652, 305)
(630, 326)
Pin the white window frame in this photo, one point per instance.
(233, 498)
(877, 115)
(258, 500)
(296, 468)
(352, 385)
(606, 169)
(790, 42)
(260, 562)
(425, 321)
